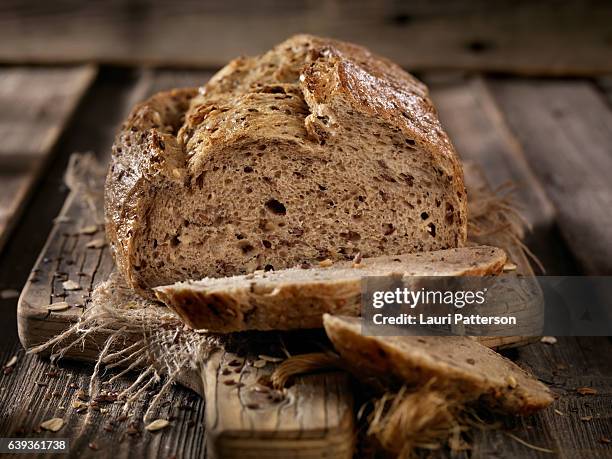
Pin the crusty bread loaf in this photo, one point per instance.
(317, 149)
(298, 297)
(457, 365)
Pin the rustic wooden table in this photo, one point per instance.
(552, 137)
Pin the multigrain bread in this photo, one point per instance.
(298, 297)
(455, 365)
(317, 149)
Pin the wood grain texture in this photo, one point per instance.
(35, 391)
(36, 105)
(92, 128)
(565, 366)
(565, 128)
(475, 125)
(554, 38)
(246, 419)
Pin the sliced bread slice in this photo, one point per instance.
(455, 365)
(297, 297)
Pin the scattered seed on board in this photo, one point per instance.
(91, 229)
(269, 358)
(509, 267)
(326, 263)
(158, 424)
(11, 363)
(586, 391)
(52, 425)
(96, 244)
(586, 418)
(548, 340)
(259, 363)
(58, 306)
(71, 285)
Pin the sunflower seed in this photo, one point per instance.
(12, 361)
(158, 424)
(52, 425)
(71, 285)
(96, 244)
(58, 306)
(269, 358)
(91, 229)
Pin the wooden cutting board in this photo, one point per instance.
(314, 419)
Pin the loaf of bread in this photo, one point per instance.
(457, 365)
(298, 297)
(317, 149)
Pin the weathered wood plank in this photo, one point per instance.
(480, 134)
(565, 128)
(35, 390)
(567, 427)
(92, 128)
(36, 105)
(548, 37)
(245, 417)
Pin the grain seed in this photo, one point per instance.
(71, 285)
(548, 340)
(11, 363)
(269, 358)
(509, 267)
(512, 382)
(96, 244)
(158, 424)
(259, 363)
(326, 263)
(586, 391)
(91, 229)
(52, 425)
(62, 306)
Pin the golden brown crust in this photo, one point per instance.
(145, 151)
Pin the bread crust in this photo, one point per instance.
(456, 365)
(170, 142)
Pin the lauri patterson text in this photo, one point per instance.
(448, 319)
